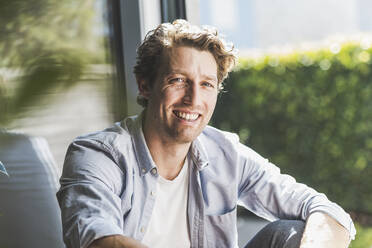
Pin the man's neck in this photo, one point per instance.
(168, 156)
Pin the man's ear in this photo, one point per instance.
(144, 88)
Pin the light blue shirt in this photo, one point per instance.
(108, 178)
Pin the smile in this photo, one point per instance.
(186, 116)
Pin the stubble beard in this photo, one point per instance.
(184, 135)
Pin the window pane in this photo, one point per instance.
(264, 24)
(56, 76)
(301, 94)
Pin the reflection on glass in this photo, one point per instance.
(55, 80)
(2, 169)
(55, 84)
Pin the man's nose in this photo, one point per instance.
(192, 95)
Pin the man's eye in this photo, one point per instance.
(207, 84)
(178, 80)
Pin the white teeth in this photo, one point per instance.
(186, 116)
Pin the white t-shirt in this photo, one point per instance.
(168, 223)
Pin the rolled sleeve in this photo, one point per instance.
(272, 195)
(89, 194)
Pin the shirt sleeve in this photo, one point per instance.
(89, 194)
(272, 195)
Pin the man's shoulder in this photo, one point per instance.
(109, 139)
(216, 143)
(216, 135)
(228, 144)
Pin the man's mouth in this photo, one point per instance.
(186, 116)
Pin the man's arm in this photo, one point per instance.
(116, 241)
(89, 195)
(321, 230)
(272, 195)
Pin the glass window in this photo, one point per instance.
(56, 72)
(301, 94)
(272, 24)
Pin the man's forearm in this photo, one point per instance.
(116, 241)
(321, 230)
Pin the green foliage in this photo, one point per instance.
(31, 26)
(48, 43)
(46, 72)
(363, 238)
(311, 114)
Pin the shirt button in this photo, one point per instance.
(143, 170)
(142, 230)
(152, 193)
(153, 171)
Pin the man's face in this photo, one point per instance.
(183, 97)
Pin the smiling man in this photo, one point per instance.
(167, 179)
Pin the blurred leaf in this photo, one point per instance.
(49, 42)
(51, 69)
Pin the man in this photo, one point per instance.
(166, 179)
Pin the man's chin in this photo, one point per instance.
(186, 137)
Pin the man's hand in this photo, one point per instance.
(116, 241)
(321, 230)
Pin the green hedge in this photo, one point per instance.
(310, 113)
(363, 238)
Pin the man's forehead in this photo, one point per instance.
(174, 61)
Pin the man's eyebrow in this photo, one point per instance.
(177, 71)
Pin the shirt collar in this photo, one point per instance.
(197, 151)
(199, 154)
(142, 151)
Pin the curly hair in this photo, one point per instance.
(181, 33)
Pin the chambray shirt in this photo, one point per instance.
(108, 187)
